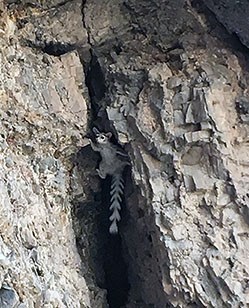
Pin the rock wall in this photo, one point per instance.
(172, 85)
(44, 107)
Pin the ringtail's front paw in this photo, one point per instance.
(101, 174)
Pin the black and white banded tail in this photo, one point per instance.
(117, 190)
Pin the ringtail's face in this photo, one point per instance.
(103, 138)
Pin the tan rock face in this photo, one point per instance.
(177, 98)
(189, 148)
(44, 106)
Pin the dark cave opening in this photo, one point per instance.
(51, 48)
(105, 249)
(91, 225)
(95, 83)
(116, 276)
(114, 266)
(119, 263)
(57, 49)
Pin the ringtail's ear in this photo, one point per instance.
(96, 131)
(108, 135)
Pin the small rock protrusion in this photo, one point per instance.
(8, 297)
(242, 108)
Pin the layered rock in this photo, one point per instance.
(175, 90)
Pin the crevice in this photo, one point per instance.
(95, 83)
(128, 264)
(57, 49)
(127, 256)
(84, 22)
(114, 266)
(91, 216)
(91, 226)
(143, 249)
(51, 48)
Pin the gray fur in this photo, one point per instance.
(113, 162)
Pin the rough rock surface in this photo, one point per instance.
(43, 120)
(175, 90)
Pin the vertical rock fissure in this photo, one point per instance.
(109, 267)
(114, 266)
(126, 262)
(123, 276)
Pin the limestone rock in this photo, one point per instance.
(172, 87)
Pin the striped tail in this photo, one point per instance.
(117, 188)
